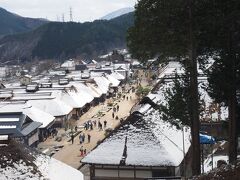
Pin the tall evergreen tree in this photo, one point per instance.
(222, 38)
(168, 29)
(196, 30)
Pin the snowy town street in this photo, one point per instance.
(120, 90)
(70, 153)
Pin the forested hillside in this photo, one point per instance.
(64, 40)
(11, 23)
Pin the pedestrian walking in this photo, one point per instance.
(72, 138)
(91, 126)
(85, 152)
(89, 138)
(127, 98)
(113, 115)
(85, 126)
(99, 123)
(83, 137)
(105, 124)
(117, 107)
(116, 118)
(76, 128)
(80, 139)
(81, 151)
(100, 126)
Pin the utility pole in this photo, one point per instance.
(194, 111)
(63, 20)
(71, 14)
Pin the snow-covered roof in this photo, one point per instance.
(33, 113)
(59, 73)
(68, 64)
(3, 137)
(125, 66)
(83, 93)
(114, 82)
(5, 95)
(45, 168)
(9, 107)
(136, 63)
(88, 89)
(56, 170)
(150, 142)
(54, 107)
(75, 98)
(31, 96)
(39, 116)
(97, 91)
(117, 75)
(27, 76)
(205, 99)
(102, 83)
(12, 124)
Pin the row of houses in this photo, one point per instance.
(28, 113)
(146, 146)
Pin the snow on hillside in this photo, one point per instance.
(18, 162)
(117, 13)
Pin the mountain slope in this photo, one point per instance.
(63, 40)
(12, 23)
(118, 13)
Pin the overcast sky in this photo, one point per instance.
(83, 10)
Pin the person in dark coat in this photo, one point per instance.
(72, 138)
(91, 126)
(80, 139)
(100, 126)
(81, 151)
(83, 137)
(105, 123)
(89, 138)
(99, 123)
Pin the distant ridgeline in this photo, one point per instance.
(64, 40)
(11, 23)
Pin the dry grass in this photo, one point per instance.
(17, 153)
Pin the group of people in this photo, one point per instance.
(82, 138)
(89, 125)
(115, 109)
(49, 132)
